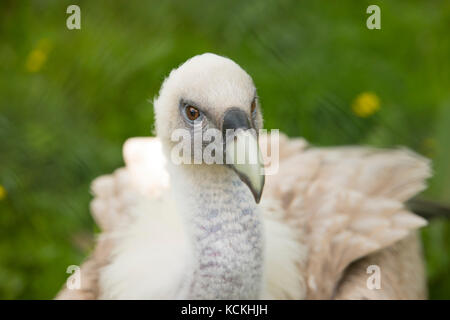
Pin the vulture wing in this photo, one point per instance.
(347, 203)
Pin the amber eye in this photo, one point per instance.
(253, 107)
(192, 113)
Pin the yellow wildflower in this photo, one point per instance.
(366, 104)
(38, 56)
(2, 192)
(35, 60)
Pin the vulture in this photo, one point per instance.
(298, 222)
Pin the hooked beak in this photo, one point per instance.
(242, 151)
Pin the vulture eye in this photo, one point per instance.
(192, 113)
(253, 107)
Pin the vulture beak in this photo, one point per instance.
(242, 152)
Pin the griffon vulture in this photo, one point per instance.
(328, 219)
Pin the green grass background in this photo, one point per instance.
(63, 125)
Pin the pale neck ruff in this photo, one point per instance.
(225, 229)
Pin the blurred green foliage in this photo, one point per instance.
(69, 99)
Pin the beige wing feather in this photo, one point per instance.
(347, 203)
(401, 274)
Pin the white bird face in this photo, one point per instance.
(212, 92)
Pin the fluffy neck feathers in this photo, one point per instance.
(225, 229)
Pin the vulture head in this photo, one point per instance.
(209, 106)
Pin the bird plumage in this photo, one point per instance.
(325, 216)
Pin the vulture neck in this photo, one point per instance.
(225, 230)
